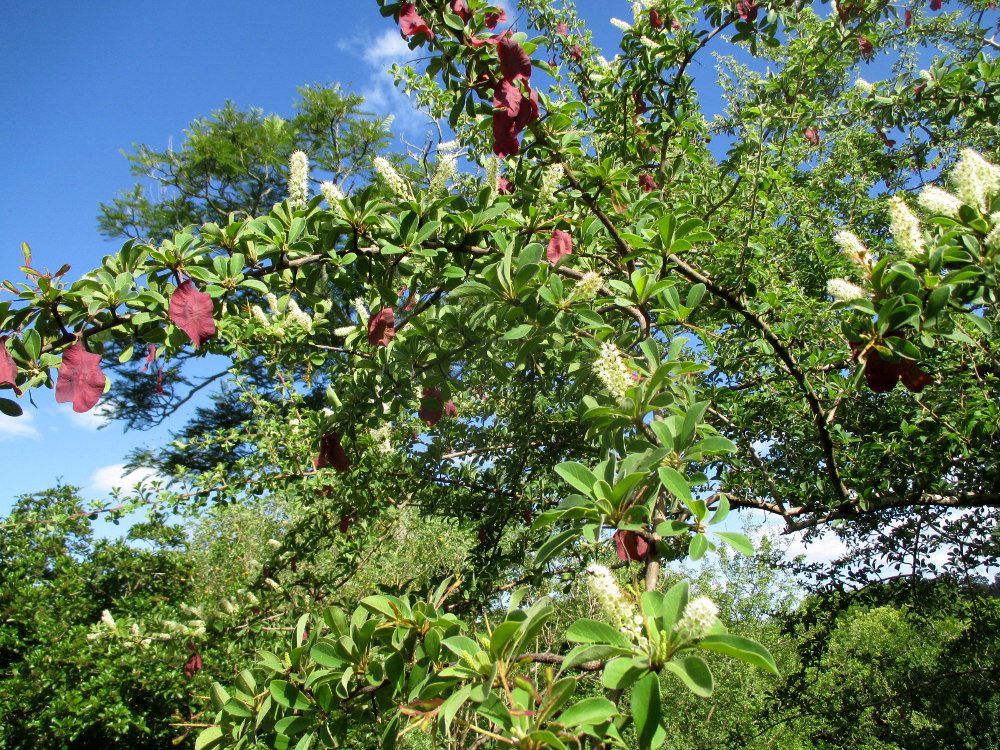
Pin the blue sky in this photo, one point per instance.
(84, 81)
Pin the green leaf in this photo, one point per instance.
(698, 546)
(645, 702)
(577, 475)
(10, 408)
(620, 673)
(518, 332)
(209, 738)
(740, 648)
(219, 696)
(288, 695)
(737, 541)
(586, 630)
(293, 725)
(588, 711)
(671, 528)
(674, 603)
(460, 644)
(694, 673)
(590, 652)
(721, 511)
(675, 483)
(553, 545)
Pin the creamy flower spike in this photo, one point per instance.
(976, 180)
(993, 238)
(938, 201)
(493, 174)
(550, 181)
(259, 315)
(588, 286)
(391, 177)
(863, 86)
(446, 167)
(698, 618)
(298, 317)
(331, 192)
(844, 291)
(852, 247)
(361, 310)
(613, 602)
(610, 367)
(298, 178)
(108, 620)
(905, 227)
(620, 24)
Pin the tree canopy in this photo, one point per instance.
(583, 331)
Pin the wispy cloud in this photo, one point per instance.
(378, 54)
(107, 478)
(824, 548)
(91, 421)
(18, 427)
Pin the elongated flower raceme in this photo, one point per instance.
(993, 238)
(588, 286)
(976, 180)
(550, 181)
(610, 367)
(620, 24)
(938, 201)
(698, 618)
(905, 227)
(446, 168)
(855, 251)
(493, 174)
(391, 177)
(298, 178)
(619, 609)
(331, 192)
(844, 291)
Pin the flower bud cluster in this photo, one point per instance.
(698, 618)
(993, 238)
(938, 201)
(610, 367)
(293, 315)
(446, 167)
(331, 193)
(613, 602)
(858, 254)
(493, 174)
(550, 181)
(844, 291)
(382, 438)
(397, 186)
(863, 86)
(588, 286)
(620, 24)
(976, 180)
(361, 310)
(905, 227)
(298, 178)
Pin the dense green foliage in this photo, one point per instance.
(471, 394)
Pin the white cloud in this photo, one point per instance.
(18, 427)
(91, 421)
(379, 91)
(824, 548)
(388, 47)
(106, 478)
